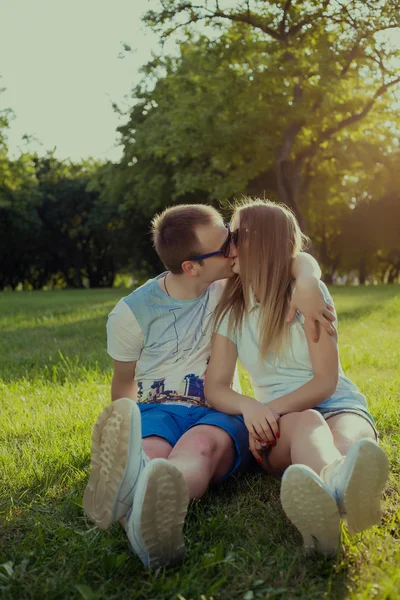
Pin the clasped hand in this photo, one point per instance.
(261, 422)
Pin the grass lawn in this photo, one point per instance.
(54, 380)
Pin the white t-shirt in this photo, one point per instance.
(169, 339)
(274, 377)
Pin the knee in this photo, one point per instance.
(348, 429)
(304, 418)
(311, 418)
(344, 440)
(203, 445)
(289, 421)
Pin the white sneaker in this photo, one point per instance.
(358, 480)
(155, 524)
(312, 508)
(117, 461)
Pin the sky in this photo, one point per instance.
(60, 65)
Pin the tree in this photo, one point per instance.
(370, 239)
(81, 230)
(277, 85)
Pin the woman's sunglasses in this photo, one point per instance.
(235, 237)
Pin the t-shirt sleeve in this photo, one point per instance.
(125, 339)
(225, 330)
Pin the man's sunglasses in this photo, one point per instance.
(226, 246)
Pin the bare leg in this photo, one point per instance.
(305, 438)
(347, 429)
(156, 447)
(355, 482)
(203, 454)
(307, 447)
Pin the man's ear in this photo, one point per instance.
(189, 268)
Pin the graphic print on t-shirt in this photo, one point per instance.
(183, 328)
(192, 390)
(168, 339)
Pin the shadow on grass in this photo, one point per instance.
(360, 311)
(53, 484)
(53, 352)
(59, 301)
(239, 545)
(358, 302)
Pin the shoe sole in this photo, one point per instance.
(363, 492)
(113, 432)
(164, 508)
(311, 508)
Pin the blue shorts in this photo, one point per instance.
(171, 421)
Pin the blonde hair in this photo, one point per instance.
(174, 233)
(269, 240)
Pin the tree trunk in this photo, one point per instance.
(288, 171)
(288, 182)
(393, 274)
(362, 274)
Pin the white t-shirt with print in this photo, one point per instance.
(169, 339)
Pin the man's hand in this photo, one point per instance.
(309, 300)
(261, 422)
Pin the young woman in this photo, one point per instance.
(309, 421)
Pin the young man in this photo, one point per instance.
(158, 445)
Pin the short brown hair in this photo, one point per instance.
(174, 232)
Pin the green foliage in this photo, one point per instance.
(293, 100)
(54, 380)
(57, 226)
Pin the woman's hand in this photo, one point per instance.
(255, 448)
(261, 421)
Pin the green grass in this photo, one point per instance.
(55, 378)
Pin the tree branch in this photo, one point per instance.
(193, 19)
(352, 55)
(247, 17)
(351, 20)
(286, 9)
(330, 131)
(309, 19)
(283, 152)
(379, 61)
(250, 19)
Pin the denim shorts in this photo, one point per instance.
(171, 421)
(337, 406)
